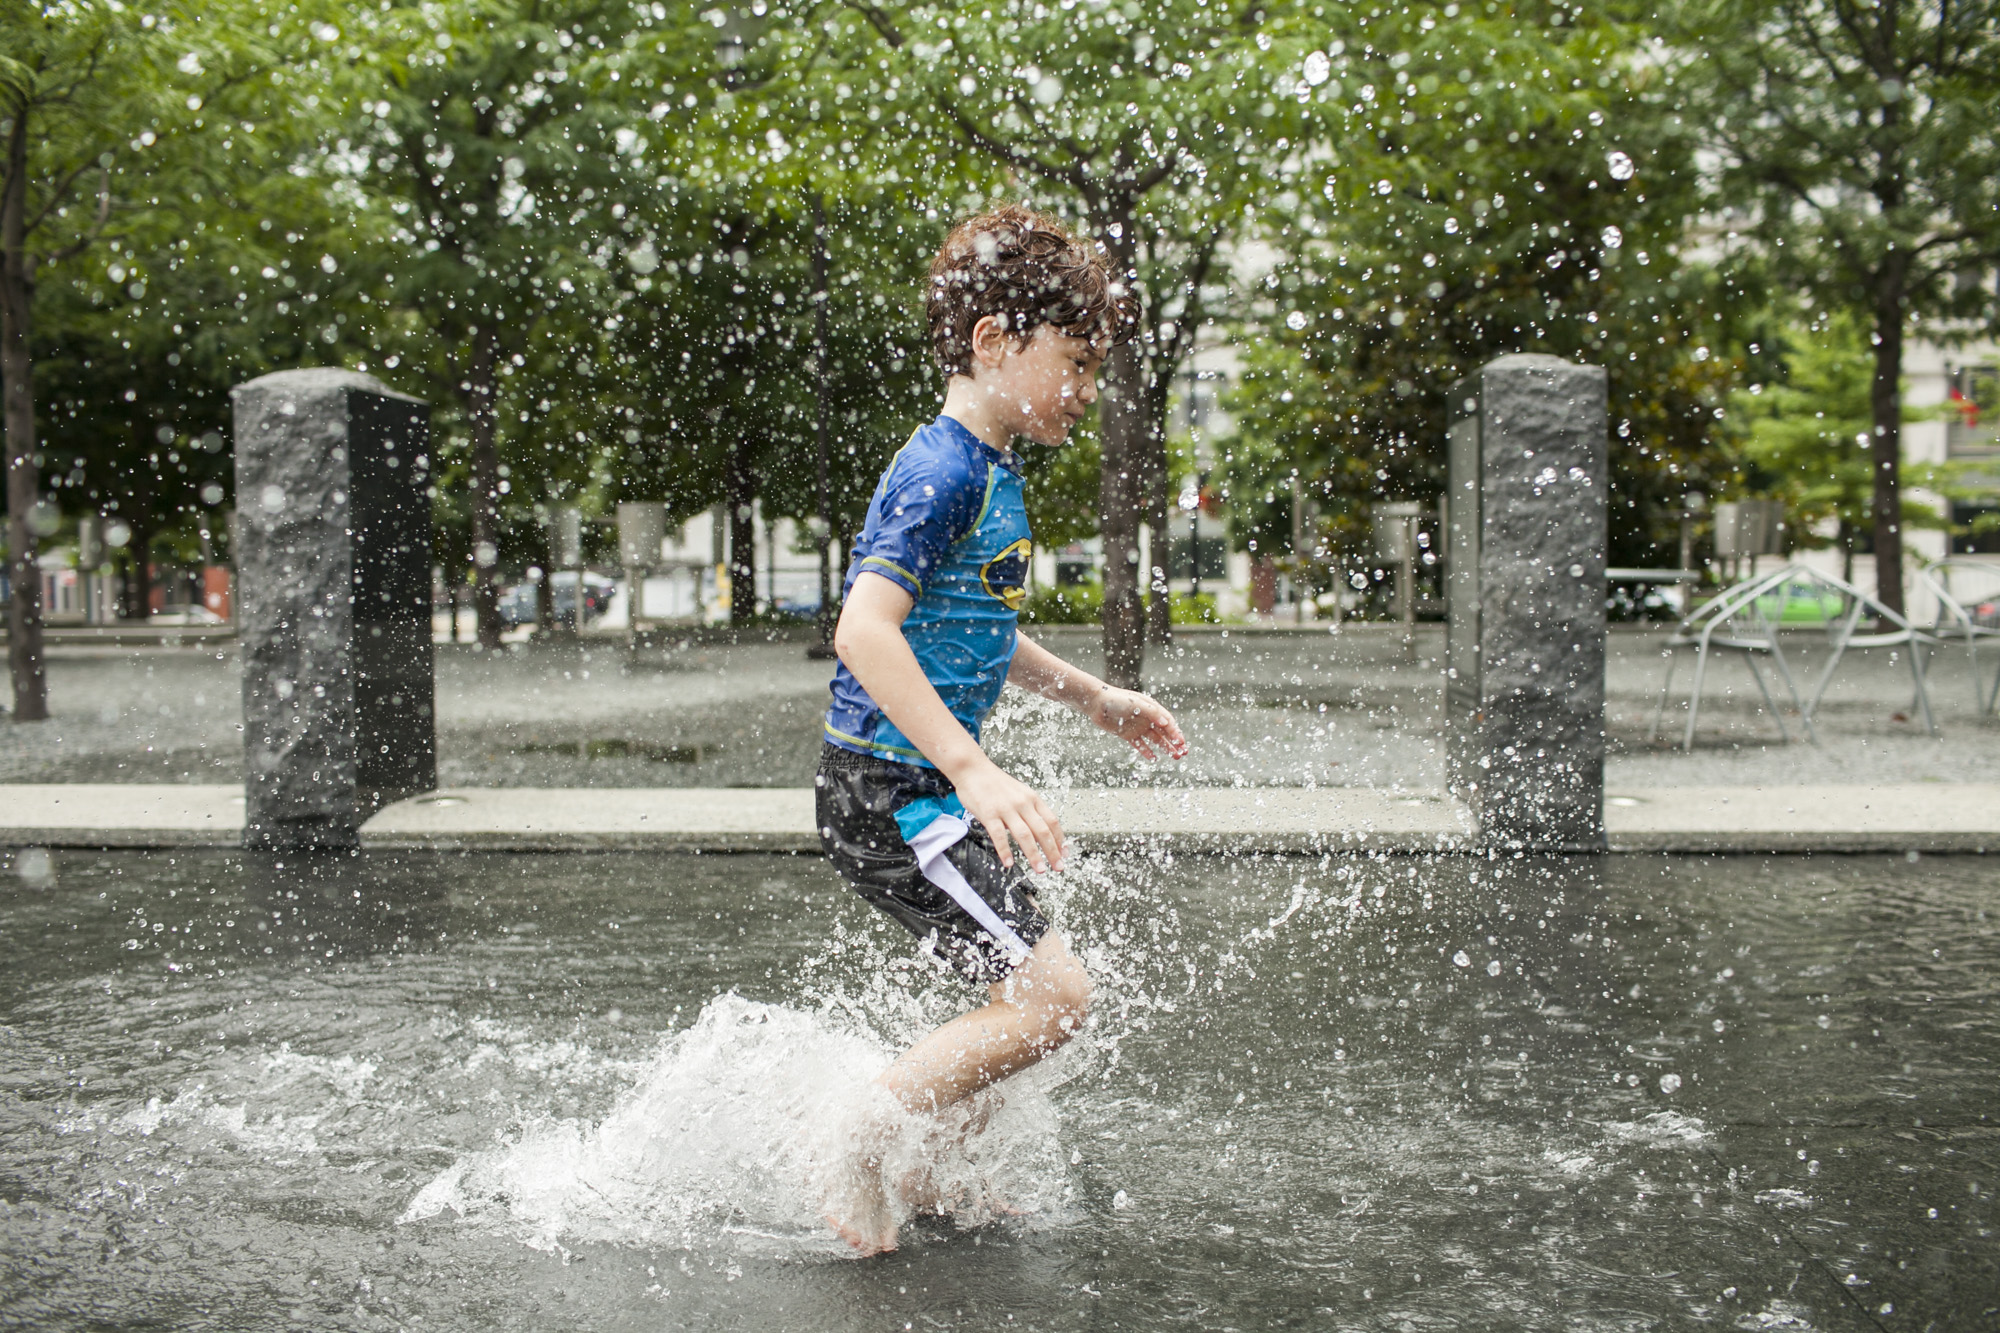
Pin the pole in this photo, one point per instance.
(1406, 589)
(1194, 450)
(1298, 553)
(1194, 545)
(822, 299)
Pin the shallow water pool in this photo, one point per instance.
(588, 1091)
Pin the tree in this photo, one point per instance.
(1807, 434)
(716, 355)
(146, 332)
(1493, 183)
(57, 78)
(490, 131)
(1860, 145)
(93, 94)
(1052, 97)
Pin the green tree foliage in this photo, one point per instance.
(1061, 487)
(1494, 182)
(717, 348)
(595, 257)
(1154, 130)
(614, 243)
(1861, 147)
(1807, 435)
(494, 149)
(210, 268)
(138, 145)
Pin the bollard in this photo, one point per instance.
(642, 530)
(333, 563)
(1525, 632)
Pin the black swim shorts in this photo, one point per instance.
(898, 834)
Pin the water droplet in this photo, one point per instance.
(35, 866)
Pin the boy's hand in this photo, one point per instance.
(1008, 807)
(1137, 718)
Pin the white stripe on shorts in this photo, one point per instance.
(930, 845)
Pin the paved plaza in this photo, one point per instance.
(1311, 709)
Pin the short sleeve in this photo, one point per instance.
(922, 508)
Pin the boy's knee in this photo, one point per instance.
(1063, 996)
(1077, 992)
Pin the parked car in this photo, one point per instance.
(518, 604)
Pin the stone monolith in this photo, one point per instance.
(1525, 638)
(333, 563)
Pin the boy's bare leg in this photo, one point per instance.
(1034, 1011)
(1030, 1014)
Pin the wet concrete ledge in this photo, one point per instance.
(1912, 817)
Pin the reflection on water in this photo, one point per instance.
(591, 1091)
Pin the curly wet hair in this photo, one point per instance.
(1029, 269)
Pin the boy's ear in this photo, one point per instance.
(989, 341)
(993, 338)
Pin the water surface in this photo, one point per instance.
(581, 1091)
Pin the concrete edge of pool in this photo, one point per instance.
(1906, 817)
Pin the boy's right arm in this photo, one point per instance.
(870, 642)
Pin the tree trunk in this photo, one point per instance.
(1123, 419)
(1159, 610)
(742, 494)
(1886, 404)
(822, 418)
(481, 408)
(139, 566)
(24, 481)
(547, 624)
(139, 500)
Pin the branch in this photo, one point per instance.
(1947, 238)
(1190, 315)
(1159, 172)
(85, 241)
(430, 196)
(878, 21)
(1073, 175)
(1864, 41)
(57, 193)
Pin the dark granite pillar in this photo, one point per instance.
(333, 563)
(1525, 590)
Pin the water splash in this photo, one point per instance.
(1661, 1129)
(738, 1127)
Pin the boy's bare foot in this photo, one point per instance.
(857, 1204)
(859, 1213)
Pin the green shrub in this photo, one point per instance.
(1195, 610)
(1083, 604)
(1067, 604)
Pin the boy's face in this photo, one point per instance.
(1038, 389)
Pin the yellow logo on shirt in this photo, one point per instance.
(1005, 576)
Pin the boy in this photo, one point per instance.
(911, 811)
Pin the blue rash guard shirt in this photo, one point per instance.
(948, 526)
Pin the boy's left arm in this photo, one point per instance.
(1127, 714)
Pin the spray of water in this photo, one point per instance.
(743, 1124)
